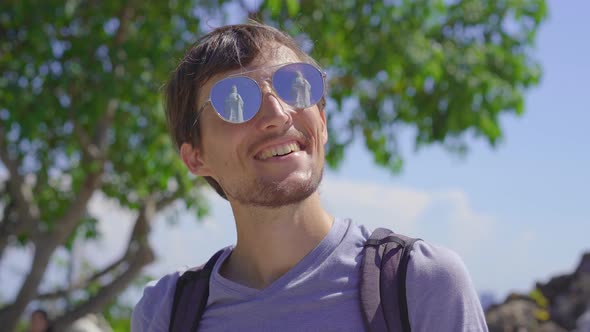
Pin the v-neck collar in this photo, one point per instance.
(306, 265)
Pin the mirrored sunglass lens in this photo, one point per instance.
(236, 99)
(300, 85)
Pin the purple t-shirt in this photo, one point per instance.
(320, 293)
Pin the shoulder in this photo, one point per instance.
(440, 293)
(429, 262)
(152, 312)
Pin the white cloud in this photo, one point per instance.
(14, 266)
(468, 228)
(115, 225)
(374, 205)
(438, 216)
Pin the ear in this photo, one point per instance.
(193, 159)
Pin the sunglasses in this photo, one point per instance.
(238, 98)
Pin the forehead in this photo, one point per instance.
(270, 55)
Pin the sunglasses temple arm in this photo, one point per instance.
(199, 112)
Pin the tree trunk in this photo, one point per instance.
(10, 315)
(45, 245)
(3, 243)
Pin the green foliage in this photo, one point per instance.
(80, 94)
(87, 229)
(119, 317)
(445, 68)
(539, 298)
(62, 65)
(542, 313)
(120, 324)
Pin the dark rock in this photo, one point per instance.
(487, 299)
(584, 266)
(583, 323)
(569, 295)
(562, 304)
(518, 313)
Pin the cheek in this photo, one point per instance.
(224, 147)
(311, 123)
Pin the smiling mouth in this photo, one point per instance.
(278, 151)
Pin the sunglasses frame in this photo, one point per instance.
(265, 79)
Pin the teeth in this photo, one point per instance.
(265, 155)
(279, 150)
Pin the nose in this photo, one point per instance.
(272, 112)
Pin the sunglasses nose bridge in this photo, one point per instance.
(267, 88)
(272, 111)
(265, 84)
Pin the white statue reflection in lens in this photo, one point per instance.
(301, 91)
(234, 106)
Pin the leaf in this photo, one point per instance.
(292, 7)
(274, 6)
(436, 62)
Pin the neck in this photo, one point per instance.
(272, 240)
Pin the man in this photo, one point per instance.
(294, 267)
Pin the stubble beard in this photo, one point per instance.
(271, 194)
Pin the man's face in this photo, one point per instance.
(238, 157)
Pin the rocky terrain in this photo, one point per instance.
(561, 304)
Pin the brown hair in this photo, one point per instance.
(223, 49)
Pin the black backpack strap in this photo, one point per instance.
(190, 297)
(383, 281)
(403, 271)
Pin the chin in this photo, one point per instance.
(274, 194)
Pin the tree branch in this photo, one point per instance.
(138, 255)
(140, 229)
(22, 195)
(90, 150)
(125, 17)
(107, 293)
(97, 150)
(167, 200)
(8, 225)
(83, 284)
(101, 139)
(45, 246)
(67, 223)
(10, 314)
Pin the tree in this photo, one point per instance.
(79, 89)
(80, 108)
(445, 68)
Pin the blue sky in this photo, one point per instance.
(517, 214)
(535, 184)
